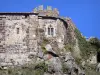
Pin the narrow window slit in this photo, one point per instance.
(17, 30)
(48, 31)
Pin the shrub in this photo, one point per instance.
(41, 66)
(69, 47)
(45, 41)
(44, 49)
(31, 69)
(85, 47)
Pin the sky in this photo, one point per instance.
(84, 13)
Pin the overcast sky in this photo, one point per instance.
(85, 14)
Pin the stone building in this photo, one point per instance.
(22, 32)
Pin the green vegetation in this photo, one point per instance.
(64, 68)
(44, 49)
(88, 48)
(85, 47)
(32, 69)
(95, 42)
(41, 66)
(45, 41)
(69, 47)
(78, 61)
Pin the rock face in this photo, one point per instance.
(71, 65)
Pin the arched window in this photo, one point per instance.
(50, 30)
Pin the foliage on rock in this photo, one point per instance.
(69, 47)
(95, 42)
(85, 47)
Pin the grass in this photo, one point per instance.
(36, 69)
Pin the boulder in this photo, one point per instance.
(49, 48)
(40, 54)
(69, 57)
(69, 60)
(72, 67)
(54, 66)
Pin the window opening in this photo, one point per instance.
(50, 30)
(17, 30)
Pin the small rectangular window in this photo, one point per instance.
(17, 30)
(48, 31)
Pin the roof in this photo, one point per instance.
(18, 13)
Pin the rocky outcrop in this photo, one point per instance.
(54, 66)
(71, 65)
(62, 65)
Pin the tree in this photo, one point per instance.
(95, 41)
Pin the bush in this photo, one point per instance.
(68, 47)
(45, 41)
(44, 49)
(41, 66)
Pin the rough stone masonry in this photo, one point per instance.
(21, 33)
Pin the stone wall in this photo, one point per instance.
(59, 30)
(2, 34)
(20, 35)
